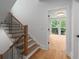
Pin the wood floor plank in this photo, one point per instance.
(56, 49)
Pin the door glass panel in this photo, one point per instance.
(63, 22)
(54, 25)
(63, 25)
(54, 22)
(58, 23)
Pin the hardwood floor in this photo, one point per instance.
(56, 49)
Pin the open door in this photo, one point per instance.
(57, 21)
(75, 27)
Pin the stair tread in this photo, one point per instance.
(32, 48)
(12, 28)
(15, 32)
(20, 47)
(9, 23)
(29, 46)
(15, 36)
(20, 44)
(29, 40)
(32, 52)
(30, 37)
(21, 40)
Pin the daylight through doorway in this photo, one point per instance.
(58, 18)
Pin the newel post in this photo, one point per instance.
(25, 39)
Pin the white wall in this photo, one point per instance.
(5, 43)
(35, 14)
(5, 7)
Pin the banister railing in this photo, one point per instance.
(11, 51)
(12, 16)
(16, 41)
(24, 28)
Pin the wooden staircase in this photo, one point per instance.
(23, 43)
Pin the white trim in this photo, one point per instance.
(68, 28)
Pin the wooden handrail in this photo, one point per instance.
(25, 35)
(12, 16)
(15, 18)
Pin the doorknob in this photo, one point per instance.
(78, 36)
(48, 29)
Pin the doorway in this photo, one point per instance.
(57, 19)
(57, 38)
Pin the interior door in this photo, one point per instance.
(75, 27)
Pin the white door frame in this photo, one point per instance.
(68, 30)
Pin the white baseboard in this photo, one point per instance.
(43, 47)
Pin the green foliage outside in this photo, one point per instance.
(55, 23)
(63, 22)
